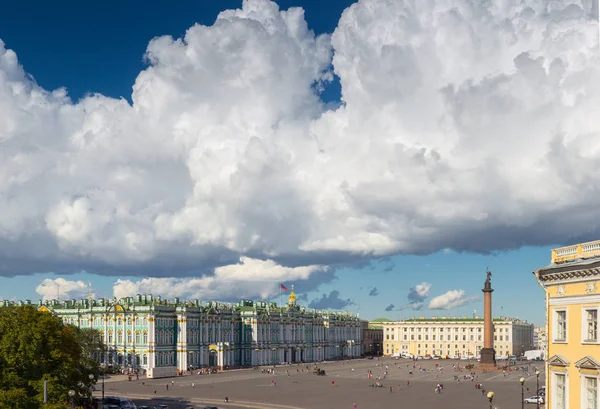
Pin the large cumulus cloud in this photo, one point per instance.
(464, 125)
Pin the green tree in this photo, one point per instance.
(36, 347)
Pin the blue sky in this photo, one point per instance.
(423, 176)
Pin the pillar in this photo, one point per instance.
(488, 355)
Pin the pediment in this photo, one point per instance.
(43, 308)
(587, 362)
(558, 360)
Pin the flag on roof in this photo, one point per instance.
(283, 287)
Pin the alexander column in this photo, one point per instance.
(488, 355)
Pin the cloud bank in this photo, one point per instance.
(63, 289)
(449, 300)
(470, 126)
(250, 278)
(330, 301)
(374, 292)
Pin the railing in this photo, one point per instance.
(576, 251)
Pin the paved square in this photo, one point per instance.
(344, 385)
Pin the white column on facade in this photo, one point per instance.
(151, 341)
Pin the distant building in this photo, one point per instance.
(165, 336)
(372, 338)
(455, 336)
(572, 285)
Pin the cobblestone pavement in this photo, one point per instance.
(344, 385)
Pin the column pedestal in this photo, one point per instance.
(488, 358)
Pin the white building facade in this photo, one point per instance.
(454, 336)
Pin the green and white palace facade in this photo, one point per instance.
(164, 336)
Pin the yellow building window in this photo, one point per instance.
(561, 325)
(591, 389)
(561, 397)
(592, 325)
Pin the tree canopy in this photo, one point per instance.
(36, 347)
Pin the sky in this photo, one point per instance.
(377, 155)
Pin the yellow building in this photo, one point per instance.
(572, 285)
(454, 337)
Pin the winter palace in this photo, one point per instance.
(163, 336)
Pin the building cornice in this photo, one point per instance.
(560, 275)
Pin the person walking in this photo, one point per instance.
(193, 385)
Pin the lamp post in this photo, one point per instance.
(537, 388)
(522, 380)
(490, 396)
(71, 395)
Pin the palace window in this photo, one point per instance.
(145, 337)
(137, 337)
(560, 325)
(591, 325)
(129, 337)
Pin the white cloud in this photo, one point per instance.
(249, 278)
(417, 295)
(449, 300)
(60, 288)
(465, 126)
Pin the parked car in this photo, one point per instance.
(210, 407)
(534, 399)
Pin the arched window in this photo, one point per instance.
(145, 337)
(145, 359)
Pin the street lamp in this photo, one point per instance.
(71, 395)
(537, 390)
(490, 396)
(522, 380)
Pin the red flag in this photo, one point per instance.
(283, 287)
